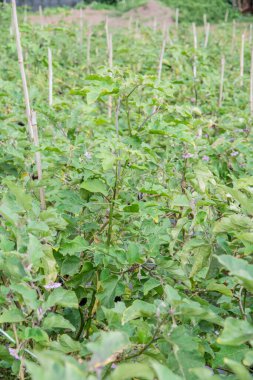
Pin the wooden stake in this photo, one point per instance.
(207, 31)
(41, 16)
(22, 68)
(177, 18)
(251, 84)
(221, 81)
(226, 15)
(160, 66)
(110, 66)
(155, 24)
(242, 60)
(130, 23)
(205, 22)
(250, 35)
(195, 41)
(38, 159)
(233, 37)
(195, 37)
(89, 34)
(81, 28)
(50, 78)
(107, 34)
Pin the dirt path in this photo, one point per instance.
(146, 14)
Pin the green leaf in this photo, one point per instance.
(66, 344)
(108, 291)
(138, 309)
(241, 372)
(95, 186)
(220, 288)
(28, 294)
(105, 349)
(132, 208)
(24, 200)
(34, 250)
(70, 265)
(61, 297)
(36, 334)
(73, 247)
(164, 373)
(200, 260)
(152, 283)
(128, 371)
(56, 321)
(233, 223)
(185, 353)
(11, 316)
(236, 332)
(238, 268)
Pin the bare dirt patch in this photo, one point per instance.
(145, 14)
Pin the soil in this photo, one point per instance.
(152, 13)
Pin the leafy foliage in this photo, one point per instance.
(141, 265)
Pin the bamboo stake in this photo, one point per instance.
(41, 16)
(22, 68)
(89, 34)
(177, 18)
(130, 23)
(110, 66)
(242, 60)
(233, 37)
(250, 35)
(160, 66)
(195, 37)
(25, 14)
(195, 41)
(81, 27)
(251, 84)
(226, 15)
(207, 32)
(50, 78)
(205, 22)
(38, 159)
(107, 34)
(155, 24)
(221, 81)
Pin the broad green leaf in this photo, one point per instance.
(36, 334)
(56, 321)
(61, 297)
(185, 353)
(108, 292)
(152, 283)
(236, 332)
(138, 309)
(34, 250)
(28, 294)
(66, 344)
(164, 373)
(95, 186)
(73, 247)
(230, 352)
(12, 316)
(106, 347)
(240, 269)
(233, 223)
(248, 360)
(70, 265)
(22, 199)
(241, 372)
(128, 371)
(220, 288)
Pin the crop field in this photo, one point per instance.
(126, 199)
